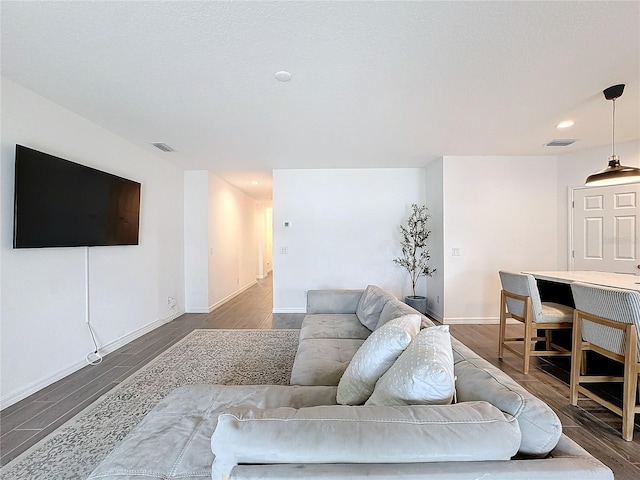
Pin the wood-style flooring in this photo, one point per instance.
(26, 422)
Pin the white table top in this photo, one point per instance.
(606, 279)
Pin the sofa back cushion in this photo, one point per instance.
(333, 301)
(345, 434)
(423, 374)
(378, 352)
(371, 304)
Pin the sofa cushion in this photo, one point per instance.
(344, 434)
(394, 309)
(423, 374)
(333, 301)
(374, 357)
(345, 325)
(461, 351)
(477, 379)
(371, 304)
(322, 361)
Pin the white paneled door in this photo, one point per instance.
(606, 228)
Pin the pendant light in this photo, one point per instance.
(615, 173)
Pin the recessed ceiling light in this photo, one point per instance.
(565, 124)
(254, 182)
(283, 76)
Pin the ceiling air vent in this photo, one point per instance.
(563, 142)
(163, 146)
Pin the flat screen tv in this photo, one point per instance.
(59, 203)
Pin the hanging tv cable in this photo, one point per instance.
(93, 358)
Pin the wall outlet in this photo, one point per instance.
(171, 302)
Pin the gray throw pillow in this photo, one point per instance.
(370, 306)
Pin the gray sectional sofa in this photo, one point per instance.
(494, 430)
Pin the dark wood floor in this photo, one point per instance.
(29, 420)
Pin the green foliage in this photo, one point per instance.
(415, 256)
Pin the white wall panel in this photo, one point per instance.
(196, 245)
(343, 230)
(44, 334)
(435, 203)
(499, 213)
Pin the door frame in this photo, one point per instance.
(570, 247)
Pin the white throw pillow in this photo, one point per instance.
(422, 375)
(374, 357)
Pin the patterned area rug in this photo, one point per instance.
(227, 357)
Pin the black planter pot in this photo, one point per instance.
(417, 302)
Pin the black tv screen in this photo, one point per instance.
(59, 203)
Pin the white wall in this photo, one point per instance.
(344, 230)
(265, 227)
(573, 169)
(435, 203)
(196, 241)
(502, 213)
(43, 330)
(268, 244)
(221, 241)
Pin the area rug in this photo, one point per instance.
(227, 357)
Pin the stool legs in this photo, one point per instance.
(503, 325)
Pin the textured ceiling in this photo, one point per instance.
(375, 84)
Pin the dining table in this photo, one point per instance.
(604, 279)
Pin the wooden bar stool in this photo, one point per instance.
(520, 300)
(606, 321)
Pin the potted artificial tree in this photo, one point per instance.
(415, 256)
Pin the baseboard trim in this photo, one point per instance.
(229, 297)
(434, 316)
(122, 341)
(14, 397)
(471, 321)
(289, 310)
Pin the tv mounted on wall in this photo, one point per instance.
(59, 203)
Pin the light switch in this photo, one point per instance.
(455, 252)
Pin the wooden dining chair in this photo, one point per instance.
(606, 321)
(520, 300)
